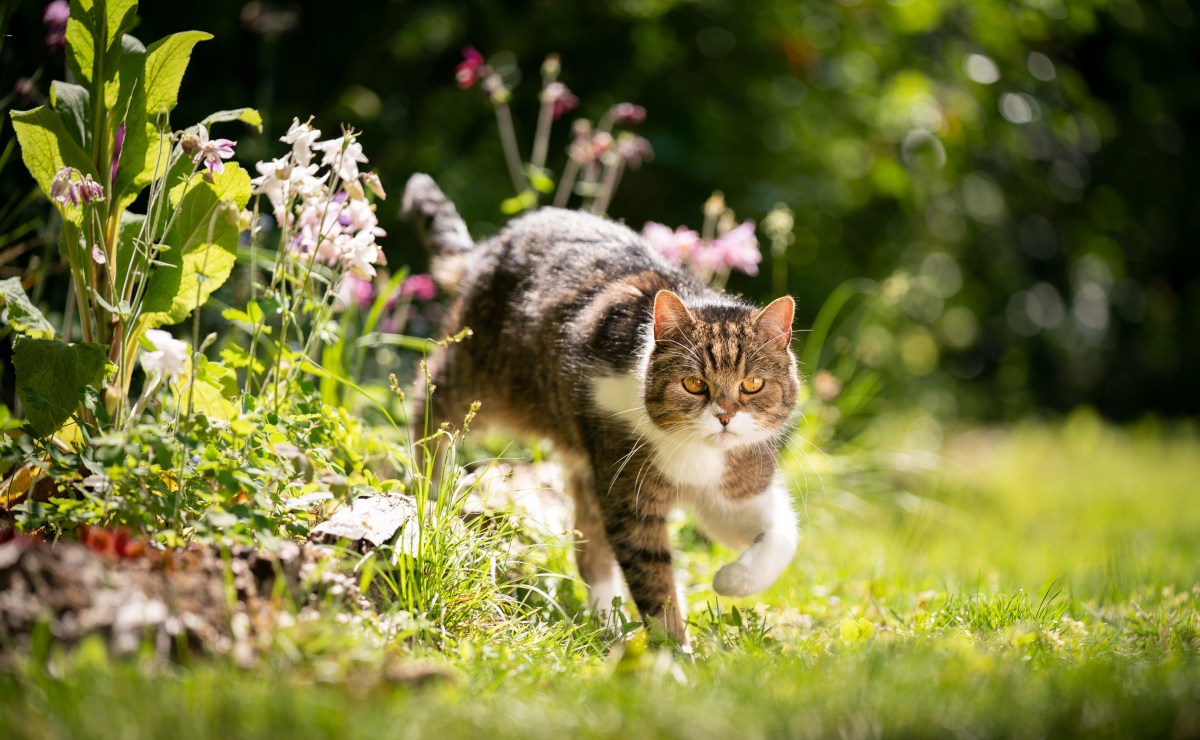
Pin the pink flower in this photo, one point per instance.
(420, 287)
(64, 189)
(562, 99)
(627, 114)
(354, 290)
(55, 17)
(738, 248)
(212, 151)
(675, 246)
(471, 69)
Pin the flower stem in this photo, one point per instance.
(512, 155)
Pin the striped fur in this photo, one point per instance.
(583, 335)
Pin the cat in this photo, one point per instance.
(654, 389)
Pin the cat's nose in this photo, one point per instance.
(724, 419)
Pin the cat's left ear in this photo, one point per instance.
(775, 322)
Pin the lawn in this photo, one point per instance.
(1040, 580)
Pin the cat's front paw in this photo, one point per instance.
(736, 579)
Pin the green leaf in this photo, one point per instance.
(129, 255)
(89, 19)
(204, 249)
(46, 148)
(166, 61)
(51, 376)
(126, 99)
(22, 314)
(248, 116)
(73, 103)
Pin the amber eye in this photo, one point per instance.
(692, 384)
(752, 385)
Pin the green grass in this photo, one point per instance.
(1044, 580)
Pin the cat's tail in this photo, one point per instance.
(440, 227)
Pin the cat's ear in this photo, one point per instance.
(669, 313)
(775, 322)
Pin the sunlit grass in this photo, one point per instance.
(1042, 580)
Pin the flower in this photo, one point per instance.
(302, 137)
(371, 180)
(633, 149)
(64, 189)
(560, 98)
(353, 290)
(419, 286)
(675, 246)
(212, 151)
(360, 254)
(342, 155)
(55, 17)
(471, 69)
(738, 248)
(169, 354)
(627, 114)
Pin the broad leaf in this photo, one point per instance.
(166, 61)
(248, 116)
(24, 317)
(73, 104)
(203, 250)
(46, 148)
(51, 377)
(127, 102)
(89, 19)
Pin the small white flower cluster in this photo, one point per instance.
(325, 212)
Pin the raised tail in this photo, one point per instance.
(440, 228)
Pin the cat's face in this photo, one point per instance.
(721, 375)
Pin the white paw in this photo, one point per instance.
(736, 579)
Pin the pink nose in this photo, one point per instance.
(724, 419)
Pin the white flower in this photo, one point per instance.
(281, 180)
(169, 355)
(302, 137)
(343, 156)
(360, 254)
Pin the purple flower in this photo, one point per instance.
(55, 17)
(738, 248)
(420, 287)
(212, 151)
(355, 290)
(64, 189)
(118, 145)
(471, 69)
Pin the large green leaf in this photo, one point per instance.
(51, 377)
(87, 18)
(46, 148)
(203, 244)
(22, 314)
(126, 98)
(166, 61)
(73, 104)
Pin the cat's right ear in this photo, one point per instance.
(669, 314)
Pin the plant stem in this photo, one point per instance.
(512, 154)
(566, 184)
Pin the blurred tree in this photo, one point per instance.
(1015, 175)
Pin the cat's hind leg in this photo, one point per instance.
(593, 555)
(764, 524)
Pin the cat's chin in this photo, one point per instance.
(726, 440)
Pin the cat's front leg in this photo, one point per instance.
(767, 523)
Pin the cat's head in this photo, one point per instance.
(721, 373)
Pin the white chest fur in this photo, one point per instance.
(679, 455)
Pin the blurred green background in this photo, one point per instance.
(1015, 178)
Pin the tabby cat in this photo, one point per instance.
(655, 390)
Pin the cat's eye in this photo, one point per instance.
(692, 384)
(752, 385)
